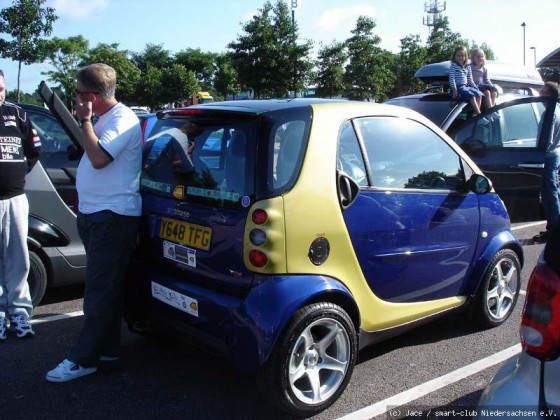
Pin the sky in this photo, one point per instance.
(210, 25)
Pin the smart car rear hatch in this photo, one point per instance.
(197, 184)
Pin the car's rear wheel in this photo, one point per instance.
(37, 278)
(497, 294)
(312, 362)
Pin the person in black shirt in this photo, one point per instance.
(20, 147)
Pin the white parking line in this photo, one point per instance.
(528, 225)
(56, 317)
(421, 390)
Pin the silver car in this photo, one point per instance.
(528, 385)
(56, 252)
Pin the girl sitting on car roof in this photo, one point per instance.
(461, 80)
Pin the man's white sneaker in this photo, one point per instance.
(21, 326)
(3, 328)
(68, 371)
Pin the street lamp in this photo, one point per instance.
(523, 24)
(534, 55)
(294, 7)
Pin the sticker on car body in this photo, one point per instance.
(179, 253)
(217, 195)
(177, 300)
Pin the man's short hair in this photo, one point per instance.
(98, 78)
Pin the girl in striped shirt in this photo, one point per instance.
(461, 81)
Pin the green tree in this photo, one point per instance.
(203, 64)
(128, 74)
(442, 41)
(178, 84)
(65, 56)
(152, 56)
(149, 90)
(487, 50)
(330, 70)
(26, 22)
(411, 57)
(369, 73)
(267, 57)
(225, 80)
(28, 98)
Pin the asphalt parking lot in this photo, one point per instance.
(443, 365)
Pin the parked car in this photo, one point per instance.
(315, 229)
(56, 253)
(530, 381)
(147, 122)
(505, 142)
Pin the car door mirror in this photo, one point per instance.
(479, 184)
(348, 190)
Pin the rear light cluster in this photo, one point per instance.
(540, 323)
(257, 237)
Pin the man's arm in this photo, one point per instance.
(98, 156)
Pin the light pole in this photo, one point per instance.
(534, 55)
(294, 6)
(523, 24)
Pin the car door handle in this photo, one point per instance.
(531, 165)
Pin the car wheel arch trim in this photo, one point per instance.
(303, 290)
(504, 240)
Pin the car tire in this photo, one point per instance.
(317, 351)
(37, 278)
(499, 290)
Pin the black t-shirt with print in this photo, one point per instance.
(20, 147)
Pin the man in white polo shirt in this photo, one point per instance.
(109, 208)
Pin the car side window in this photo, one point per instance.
(288, 151)
(520, 126)
(54, 140)
(510, 127)
(349, 157)
(405, 154)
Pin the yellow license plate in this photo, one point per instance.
(185, 233)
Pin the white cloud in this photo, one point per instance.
(77, 9)
(342, 18)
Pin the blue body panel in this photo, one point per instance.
(411, 253)
(245, 328)
(494, 224)
(222, 263)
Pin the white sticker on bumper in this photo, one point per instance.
(174, 299)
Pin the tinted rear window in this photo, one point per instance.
(201, 160)
(235, 158)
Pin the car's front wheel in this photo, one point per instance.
(37, 278)
(312, 362)
(497, 294)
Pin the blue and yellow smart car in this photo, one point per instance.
(289, 234)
